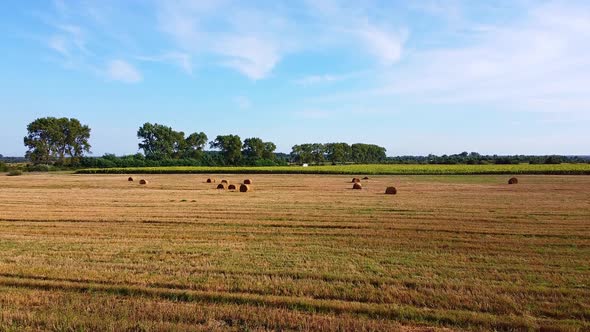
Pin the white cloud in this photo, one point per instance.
(249, 55)
(69, 41)
(248, 41)
(346, 23)
(385, 46)
(180, 59)
(327, 78)
(539, 63)
(123, 71)
(316, 79)
(59, 44)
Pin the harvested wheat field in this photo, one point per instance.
(300, 252)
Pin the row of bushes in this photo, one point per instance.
(138, 160)
(11, 171)
(475, 158)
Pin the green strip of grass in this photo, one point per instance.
(559, 169)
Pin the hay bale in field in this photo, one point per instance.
(390, 191)
(231, 187)
(357, 185)
(210, 180)
(142, 181)
(130, 179)
(245, 188)
(513, 181)
(355, 180)
(366, 178)
(222, 186)
(247, 181)
(225, 181)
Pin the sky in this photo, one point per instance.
(417, 77)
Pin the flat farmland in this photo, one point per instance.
(300, 252)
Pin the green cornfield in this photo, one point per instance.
(380, 169)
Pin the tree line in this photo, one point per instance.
(64, 142)
(336, 153)
(474, 158)
(164, 146)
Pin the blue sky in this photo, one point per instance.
(418, 77)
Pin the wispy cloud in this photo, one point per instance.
(385, 45)
(120, 70)
(327, 78)
(59, 44)
(248, 41)
(537, 63)
(351, 22)
(180, 59)
(69, 41)
(249, 55)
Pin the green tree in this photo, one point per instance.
(318, 153)
(159, 142)
(368, 153)
(269, 151)
(194, 145)
(302, 153)
(338, 152)
(253, 148)
(230, 146)
(52, 140)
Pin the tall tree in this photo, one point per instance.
(52, 140)
(230, 146)
(318, 152)
(194, 145)
(76, 139)
(159, 141)
(253, 148)
(368, 153)
(269, 151)
(338, 152)
(301, 153)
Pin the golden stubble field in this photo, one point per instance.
(300, 252)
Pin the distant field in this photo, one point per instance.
(382, 169)
(300, 252)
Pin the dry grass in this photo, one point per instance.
(463, 252)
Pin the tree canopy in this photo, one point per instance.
(256, 149)
(230, 146)
(56, 140)
(159, 142)
(338, 153)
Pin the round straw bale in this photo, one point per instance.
(355, 180)
(391, 191)
(231, 187)
(210, 180)
(222, 186)
(245, 188)
(247, 181)
(225, 181)
(130, 179)
(366, 178)
(142, 181)
(357, 185)
(513, 181)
